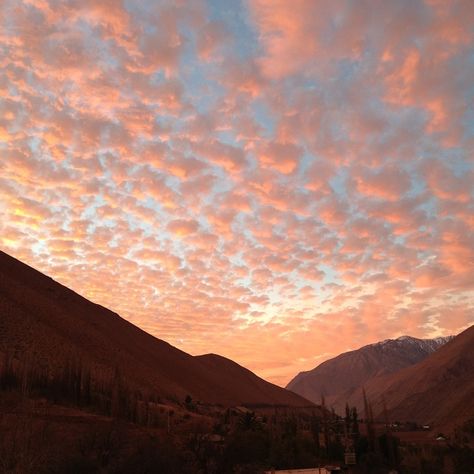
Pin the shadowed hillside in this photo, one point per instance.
(438, 390)
(47, 324)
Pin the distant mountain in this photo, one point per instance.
(438, 390)
(340, 379)
(49, 325)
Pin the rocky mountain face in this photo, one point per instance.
(427, 381)
(340, 379)
(438, 391)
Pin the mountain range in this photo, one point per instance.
(429, 381)
(337, 378)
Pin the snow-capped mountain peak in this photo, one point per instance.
(427, 345)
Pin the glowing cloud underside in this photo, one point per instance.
(273, 181)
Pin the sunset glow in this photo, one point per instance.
(274, 181)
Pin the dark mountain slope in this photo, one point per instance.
(438, 390)
(51, 323)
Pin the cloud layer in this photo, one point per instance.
(273, 181)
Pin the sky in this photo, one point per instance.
(274, 181)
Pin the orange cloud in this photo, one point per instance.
(181, 227)
(283, 157)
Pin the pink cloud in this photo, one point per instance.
(165, 259)
(283, 157)
(210, 38)
(430, 276)
(244, 77)
(446, 185)
(388, 182)
(318, 176)
(230, 157)
(285, 30)
(455, 318)
(182, 228)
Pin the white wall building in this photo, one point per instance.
(312, 470)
